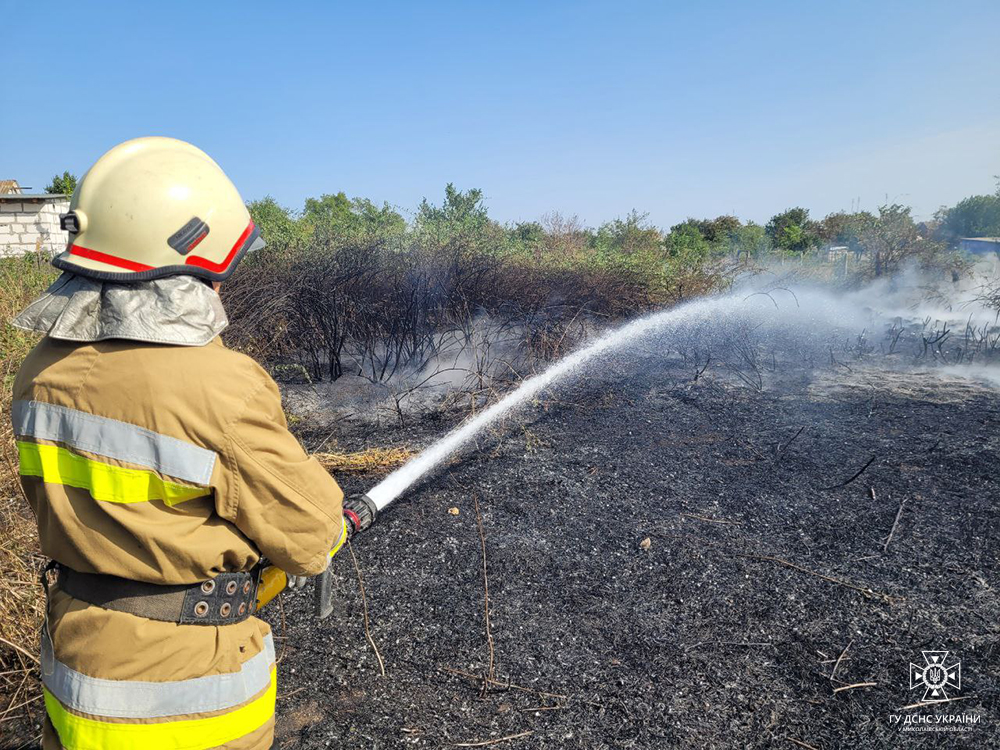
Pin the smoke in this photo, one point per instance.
(768, 324)
(915, 319)
(762, 323)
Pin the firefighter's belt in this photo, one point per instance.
(226, 599)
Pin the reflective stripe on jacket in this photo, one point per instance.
(167, 465)
(88, 711)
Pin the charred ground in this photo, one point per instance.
(726, 630)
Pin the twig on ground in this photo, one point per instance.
(921, 704)
(800, 743)
(284, 636)
(364, 609)
(836, 665)
(856, 475)
(899, 513)
(5, 716)
(22, 704)
(19, 649)
(699, 373)
(747, 644)
(855, 685)
(486, 586)
(888, 598)
(519, 688)
(707, 519)
(780, 450)
(484, 743)
(14, 472)
(557, 707)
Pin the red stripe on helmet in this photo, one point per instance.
(195, 260)
(111, 260)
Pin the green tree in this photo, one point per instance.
(842, 228)
(792, 230)
(63, 184)
(891, 239)
(329, 212)
(720, 229)
(716, 232)
(462, 214)
(377, 221)
(528, 237)
(749, 241)
(686, 242)
(459, 208)
(629, 236)
(976, 216)
(336, 215)
(277, 225)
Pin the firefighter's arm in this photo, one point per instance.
(281, 498)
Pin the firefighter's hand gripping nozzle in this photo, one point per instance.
(359, 514)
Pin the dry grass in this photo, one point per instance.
(368, 460)
(21, 279)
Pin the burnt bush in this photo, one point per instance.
(377, 306)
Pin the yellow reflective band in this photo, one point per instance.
(78, 733)
(111, 484)
(343, 538)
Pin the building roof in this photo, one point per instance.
(8, 187)
(32, 197)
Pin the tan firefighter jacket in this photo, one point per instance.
(163, 464)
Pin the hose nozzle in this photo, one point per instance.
(360, 512)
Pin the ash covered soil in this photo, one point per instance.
(724, 629)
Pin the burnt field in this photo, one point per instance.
(672, 561)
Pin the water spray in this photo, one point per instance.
(402, 478)
(361, 511)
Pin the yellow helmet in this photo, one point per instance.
(155, 207)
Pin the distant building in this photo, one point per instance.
(980, 245)
(29, 222)
(837, 252)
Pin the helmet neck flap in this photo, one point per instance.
(179, 310)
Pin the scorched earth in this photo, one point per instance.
(673, 559)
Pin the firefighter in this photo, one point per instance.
(159, 466)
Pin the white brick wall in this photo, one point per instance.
(30, 225)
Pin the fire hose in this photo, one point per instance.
(360, 512)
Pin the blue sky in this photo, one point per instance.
(588, 108)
